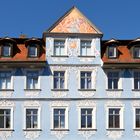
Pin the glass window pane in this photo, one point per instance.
(1, 121)
(83, 122)
(32, 51)
(6, 50)
(62, 122)
(8, 122)
(89, 121)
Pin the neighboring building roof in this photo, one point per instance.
(73, 21)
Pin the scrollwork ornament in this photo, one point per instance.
(32, 104)
(5, 134)
(5, 103)
(137, 133)
(32, 134)
(114, 134)
(59, 134)
(87, 134)
(87, 93)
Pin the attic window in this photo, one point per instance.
(33, 50)
(136, 51)
(6, 50)
(112, 51)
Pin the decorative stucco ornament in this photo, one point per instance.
(112, 134)
(32, 134)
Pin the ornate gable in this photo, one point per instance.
(74, 22)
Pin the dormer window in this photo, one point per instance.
(136, 51)
(32, 50)
(6, 50)
(112, 51)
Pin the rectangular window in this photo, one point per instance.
(137, 80)
(59, 118)
(32, 51)
(137, 117)
(86, 80)
(113, 79)
(6, 51)
(5, 80)
(86, 118)
(32, 80)
(31, 118)
(59, 47)
(59, 80)
(112, 51)
(114, 118)
(5, 118)
(136, 52)
(85, 48)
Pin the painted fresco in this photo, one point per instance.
(74, 22)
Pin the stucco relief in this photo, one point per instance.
(59, 94)
(87, 94)
(87, 134)
(32, 104)
(137, 133)
(6, 94)
(73, 48)
(5, 134)
(59, 134)
(114, 94)
(5, 103)
(113, 103)
(59, 103)
(86, 103)
(30, 93)
(49, 46)
(31, 134)
(114, 134)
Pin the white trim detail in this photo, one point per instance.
(114, 134)
(87, 133)
(135, 105)
(114, 94)
(31, 134)
(5, 134)
(4, 104)
(59, 133)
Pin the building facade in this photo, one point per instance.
(69, 84)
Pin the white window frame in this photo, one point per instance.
(65, 77)
(134, 116)
(136, 47)
(65, 46)
(39, 78)
(38, 118)
(36, 51)
(12, 78)
(11, 118)
(10, 49)
(66, 117)
(121, 117)
(133, 86)
(91, 49)
(93, 117)
(119, 81)
(93, 78)
(114, 48)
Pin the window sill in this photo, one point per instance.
(59, 129)
(86, 56)
(6, 90)
(115, 129)
(86, 90)
(32, 89)
(32, 129)
(135, 89)
(6, 129)
(114, 89)
(59, 90)
(87, 129)
(136, 129)
(59, 56)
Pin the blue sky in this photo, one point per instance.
(118, 19)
